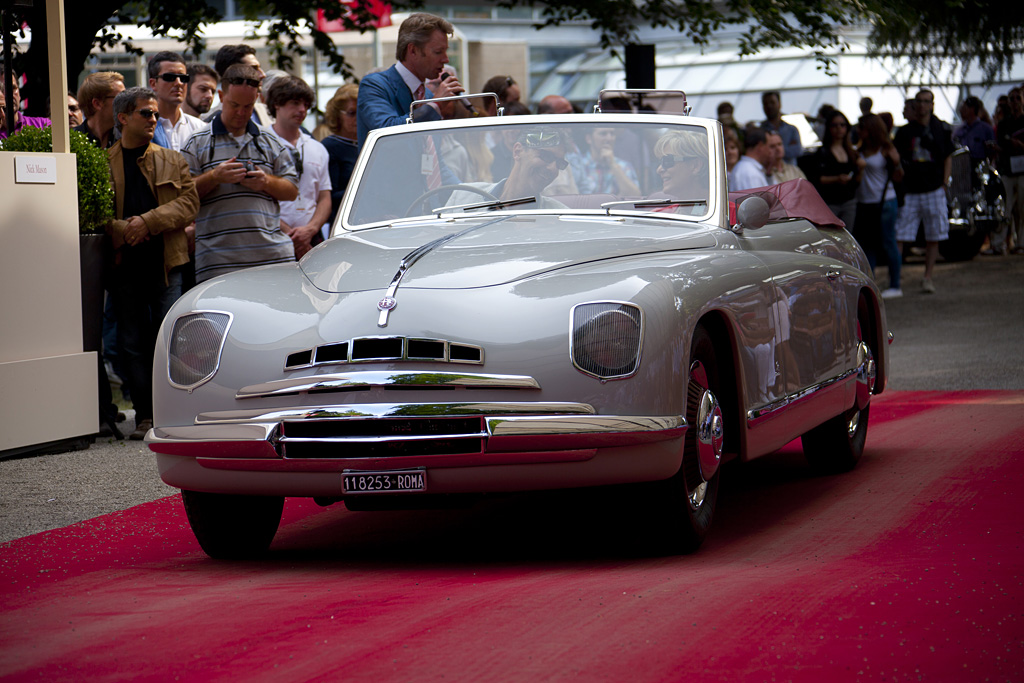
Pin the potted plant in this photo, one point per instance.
(95, 209)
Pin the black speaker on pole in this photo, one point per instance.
(640, 66)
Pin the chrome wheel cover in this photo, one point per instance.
(867, 373)
(851, 426)
(710, 434)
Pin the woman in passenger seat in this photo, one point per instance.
(683, 167)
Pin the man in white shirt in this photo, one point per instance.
(168, 78)
(289, 100)
(749, 172)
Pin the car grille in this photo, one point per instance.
(390, 349)
(381, 438)
(961, 177)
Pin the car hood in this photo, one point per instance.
(459, 254)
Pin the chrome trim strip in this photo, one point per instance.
(755, 416)
(378, 379)
(227, 441)
(362, 410)
(381, 439)
(544, 425)
(409, 260)
(524, 434)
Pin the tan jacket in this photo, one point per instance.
(176, 198)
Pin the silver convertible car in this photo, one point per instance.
(523, 303)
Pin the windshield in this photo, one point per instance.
(526, 166)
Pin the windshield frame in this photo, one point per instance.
(717, 200)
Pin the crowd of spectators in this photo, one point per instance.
(214, 170)
(887, 183)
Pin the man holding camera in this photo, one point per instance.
(242, 173)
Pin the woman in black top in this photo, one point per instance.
(340, 118)
(839, 169)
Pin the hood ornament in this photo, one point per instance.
(389, 302)
(385, 306)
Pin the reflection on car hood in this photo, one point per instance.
(488, 252)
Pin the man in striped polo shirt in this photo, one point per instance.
(242, 173)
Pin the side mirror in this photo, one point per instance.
(752, 213)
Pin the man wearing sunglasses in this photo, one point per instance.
(168, 78)
(229, 56)
(538, 156)
(154, 199)
(242, 174)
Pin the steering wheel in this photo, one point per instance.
(444, 188)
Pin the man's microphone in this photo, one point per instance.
(465, 100)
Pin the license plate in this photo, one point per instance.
(401, 481)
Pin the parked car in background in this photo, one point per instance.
(500, 330)
(977, 205)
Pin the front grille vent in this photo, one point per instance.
(385, 349)
(381, 438)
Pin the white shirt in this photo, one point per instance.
(178, 133)
(746, 174)
(314, 179)
(413, 82)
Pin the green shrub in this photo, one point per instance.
(95, 196)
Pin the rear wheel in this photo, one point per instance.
(686, 502)
(836, 445)
(230, 527)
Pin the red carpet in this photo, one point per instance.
(908, 568)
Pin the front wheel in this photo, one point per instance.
(230, 527)
(686, 502)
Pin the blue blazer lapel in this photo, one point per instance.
(403, 97)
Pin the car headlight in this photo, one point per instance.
(197, 340)
(606, 339)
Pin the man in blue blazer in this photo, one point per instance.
(422, 51)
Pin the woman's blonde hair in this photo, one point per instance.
(683, 144)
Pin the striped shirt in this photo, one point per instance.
(237, 227)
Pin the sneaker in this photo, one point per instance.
(892, 293)
(1017, 250)
(927, 286)
(993, 251)
(140, 430)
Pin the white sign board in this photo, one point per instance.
(35, 170)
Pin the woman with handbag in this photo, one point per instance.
(877, 206)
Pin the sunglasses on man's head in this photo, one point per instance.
(148, 113)
(171, 77)
(548, 139)
(251, 82)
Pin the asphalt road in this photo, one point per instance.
(968, 335)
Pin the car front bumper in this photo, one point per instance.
(464, 447)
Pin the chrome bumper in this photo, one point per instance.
(358, 436)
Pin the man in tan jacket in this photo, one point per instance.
(155, 198)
